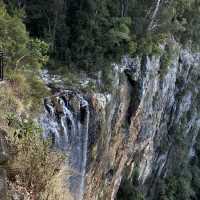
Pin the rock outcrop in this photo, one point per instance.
(149, 122)
(152, 105)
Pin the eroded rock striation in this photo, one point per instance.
(149, 122)
(140, 124)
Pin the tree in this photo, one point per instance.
(13, 35)
(91, 33)
(34, 164)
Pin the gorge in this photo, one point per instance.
(140, 125)
(100, 100)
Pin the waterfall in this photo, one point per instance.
(65, 121)
(84, 105)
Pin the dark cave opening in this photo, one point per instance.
(134, 92)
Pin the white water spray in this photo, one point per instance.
(69, 132)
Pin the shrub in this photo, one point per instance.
(18, 83)
(129, 187)
(34, 163)
(37, 92)
(38, 52)
(8, 103)
(28, 88)
(57, 188)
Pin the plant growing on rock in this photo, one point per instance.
(34, 163)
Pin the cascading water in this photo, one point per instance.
(66, 121)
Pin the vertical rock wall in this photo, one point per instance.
(150, 104)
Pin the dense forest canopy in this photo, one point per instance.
(92, 33)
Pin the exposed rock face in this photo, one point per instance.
(138, 124)
(153, 105)
(3, 159)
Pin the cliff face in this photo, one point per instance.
(153, 108)
(149, 123)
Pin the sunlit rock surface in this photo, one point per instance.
(135, 124)
(149, 105)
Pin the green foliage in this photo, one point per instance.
(176, 188)
(192, 27)
(150, 45)
(129, 188)
(90, 41)
(34, 163)
(27, 88)
(37, 91)
(38, 52)
(91, 34)
(121, 30)
(182, 181)
(20, 50)
(8, 103)
(13, 35)
(170, 53)
(166, 60)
